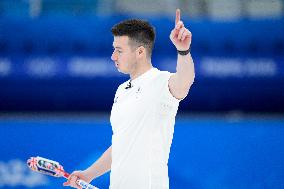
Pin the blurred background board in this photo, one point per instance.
(54, 55)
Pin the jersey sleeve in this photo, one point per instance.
(163, 82)
(166, 104)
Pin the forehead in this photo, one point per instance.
(120, 41)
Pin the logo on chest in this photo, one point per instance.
(136, 94)
(115, 99)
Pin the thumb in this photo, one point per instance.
(67, 183)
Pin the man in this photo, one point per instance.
(144, 109)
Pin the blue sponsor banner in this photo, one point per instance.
(214, 67)
(207, 152)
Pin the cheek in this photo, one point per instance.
(125, 59)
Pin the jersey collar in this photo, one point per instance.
(145, 75)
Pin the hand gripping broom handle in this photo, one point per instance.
(53, 168)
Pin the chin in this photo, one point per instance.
(122, 71)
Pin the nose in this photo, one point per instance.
(113, 56)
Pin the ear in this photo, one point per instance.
(141, 52)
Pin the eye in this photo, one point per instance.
(117, 50)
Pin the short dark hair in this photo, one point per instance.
(138, 31)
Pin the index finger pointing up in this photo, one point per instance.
(177, 16)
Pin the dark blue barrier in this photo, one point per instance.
(206, 152)
(37, 83)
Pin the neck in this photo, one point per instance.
(147, 65)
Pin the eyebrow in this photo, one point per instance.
(117, 47)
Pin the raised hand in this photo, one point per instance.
(180, 35)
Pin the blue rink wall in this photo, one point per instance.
(206, 153)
